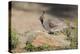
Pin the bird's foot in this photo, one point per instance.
(50, 32)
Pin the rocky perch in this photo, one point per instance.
(40, 38)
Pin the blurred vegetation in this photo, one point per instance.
(29, 47)
(74, 39)
(14, 39)
(72, 34)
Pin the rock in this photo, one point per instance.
(40, 38)
(51, 40)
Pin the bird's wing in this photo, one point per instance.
(51, 24)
